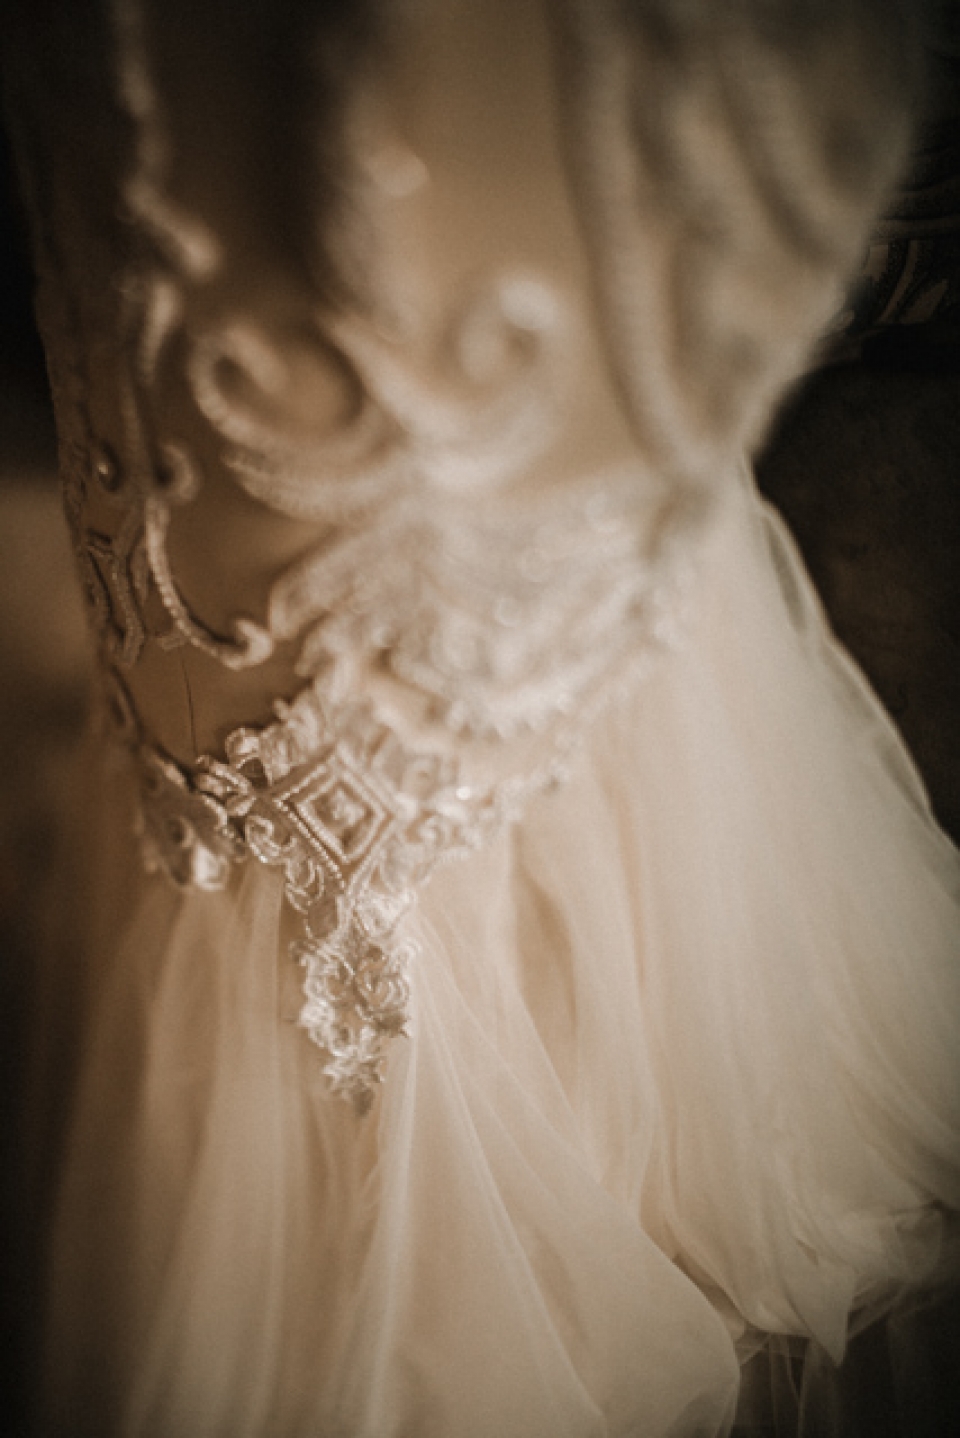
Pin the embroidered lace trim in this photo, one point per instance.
(356, 821)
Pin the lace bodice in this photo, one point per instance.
(397, 540)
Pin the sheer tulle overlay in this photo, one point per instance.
(403, 356)
(681, 1073)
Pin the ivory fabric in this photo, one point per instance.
(515, 965)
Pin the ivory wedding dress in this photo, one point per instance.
(511, 963)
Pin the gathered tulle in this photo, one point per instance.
(682, 1075)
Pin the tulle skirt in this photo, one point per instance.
(682, 1074)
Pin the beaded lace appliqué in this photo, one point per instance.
(355, 821)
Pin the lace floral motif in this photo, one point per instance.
(355, 821)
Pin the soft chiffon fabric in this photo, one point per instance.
(682, 1074)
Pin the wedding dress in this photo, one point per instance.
(509, 966)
